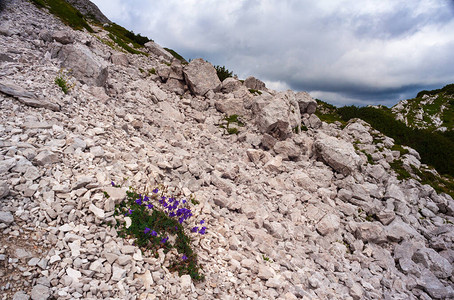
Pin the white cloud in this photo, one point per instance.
(348, 50)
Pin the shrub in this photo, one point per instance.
(156, 221)
(223, 73)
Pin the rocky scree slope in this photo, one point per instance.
(291, 214)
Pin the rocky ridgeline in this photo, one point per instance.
(291, 213)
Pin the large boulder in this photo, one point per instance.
(254, 83)
(306, 103)
(229, 85)
(158, 50)
(278, 115)
(338, 154)
(201, 77)
(85, 66)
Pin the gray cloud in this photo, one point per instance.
(362, 52)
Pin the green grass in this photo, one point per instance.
(65, 12)
(176, 55)
(327, 112)
(253, 91)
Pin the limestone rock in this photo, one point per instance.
(62, 36)
(338, 154)
(306, 103)
(328, 224)
(201, 77)
(6, 217)
(158, 50)
(278, 116)
(254, 83)
(119, 59)
(230, 85)
(433, 261)
(4, 189)
(84, 65)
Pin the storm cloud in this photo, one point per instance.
(340, 51)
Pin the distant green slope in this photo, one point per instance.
(432, 110)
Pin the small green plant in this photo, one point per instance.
(266, 258)
(253, 91)
(152, 71)
(62, 80)
(233, 119)
(158, 221)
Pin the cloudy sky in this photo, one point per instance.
(340, 51)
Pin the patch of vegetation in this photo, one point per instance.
(62, 80)
(253, 91)
(223, 73)
(121, 43)
(158, 221)
(433, 147)
(176, 55)
(65, 12)
(228, 121)
(399, 148)
(127, 36)
(398, 167)
(327, 112)
(440, 184)
(152, 71)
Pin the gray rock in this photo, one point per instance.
(21, 296)
(433, 286)
(6, 58)
(370, 232)
(201, 77)
(25, 97)
(174, 85)
(338, 154)
(84, 65)
(231, 106)
(229, 85)
(254, 83)
(97, 151)
(306, 103)
(90, 11)
(6, 217)
(278, 116)
(433, 261)
(119, 59)
(118, 273)
(287, 149)
(46, 157)
(158, 50)
(62, 36)
(328, 224)
(40, 292)
(4, 189)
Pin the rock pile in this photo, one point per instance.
(290, 213)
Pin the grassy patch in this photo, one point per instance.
(176, 55)
(253, 91)
(65, 12)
